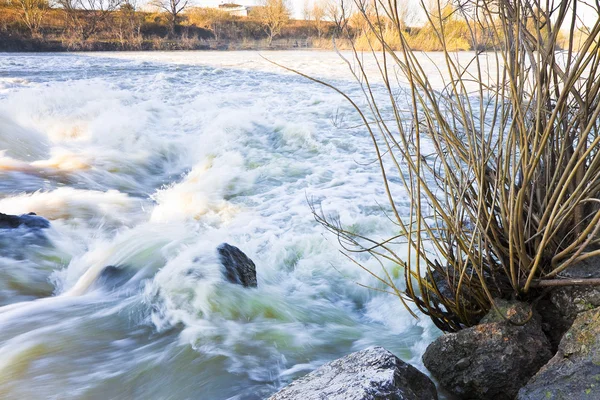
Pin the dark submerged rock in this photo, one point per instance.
(239, 268)
(30, 220)
(113, 277)
(20, 234)
(492, 360)
(574, 372)
(370, 374)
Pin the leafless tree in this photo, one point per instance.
(33, 13)
(173, 8)
(338, 11)
(86, 17)
(273, 14)
(127, 25)
(318, 16)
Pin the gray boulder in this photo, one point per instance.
(561, 307)
(492, 360)
(574, 372)
(567, 303)
(239, 268)
(370, 374)
(572, 300)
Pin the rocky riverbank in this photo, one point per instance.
(550, 351)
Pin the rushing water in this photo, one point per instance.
(147, 162)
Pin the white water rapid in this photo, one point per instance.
(147, 162)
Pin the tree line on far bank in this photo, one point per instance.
(175, 24)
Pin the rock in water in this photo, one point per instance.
(239, 268)
(113, 277)
(492, 360)
(30, 220)
(574, 372)
(370, 374)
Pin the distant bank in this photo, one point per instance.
(19, 44)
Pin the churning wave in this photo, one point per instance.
(146, 163)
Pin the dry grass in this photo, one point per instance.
(456, 34)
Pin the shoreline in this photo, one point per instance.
(27, 45)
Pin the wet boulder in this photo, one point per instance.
(492, 360)
(574, 372)
(370, 374)
(19, 234)
(239, 268)
(560, 308)
(571, 300)
(31, 221)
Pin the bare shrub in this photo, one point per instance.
(500, 162)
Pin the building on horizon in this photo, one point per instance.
(235, 9)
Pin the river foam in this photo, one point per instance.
(146, 162)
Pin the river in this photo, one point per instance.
(147, 162)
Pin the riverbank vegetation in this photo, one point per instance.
(175, 24)
(499, 154)
(120, 25)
